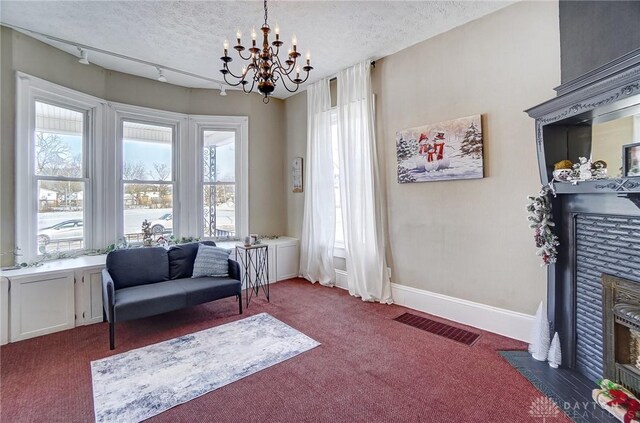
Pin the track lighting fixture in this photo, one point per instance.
(161, 76)
(84, 56)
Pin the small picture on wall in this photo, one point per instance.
(631, 159)
(296, 174)
(441, 151)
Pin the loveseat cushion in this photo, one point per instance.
(138, 266)
(202, 290)
(148, 300)
(181, 258)
(211, 261)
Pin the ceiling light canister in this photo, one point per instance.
(161, 76)
(84, 56)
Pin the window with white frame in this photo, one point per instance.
(55, 133)
(89, 172)
(61, 176)
(219, 183)
(223, 176)
(147, 175)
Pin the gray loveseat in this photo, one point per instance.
(142, 282)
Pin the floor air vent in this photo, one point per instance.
(437, 328)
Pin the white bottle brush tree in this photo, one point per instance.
(539, 347)
(554, 357)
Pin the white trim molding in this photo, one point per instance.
(511, 324)
(504, 322)
(341, 279)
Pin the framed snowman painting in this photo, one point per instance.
(441, 151)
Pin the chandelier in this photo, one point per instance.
(265, 68)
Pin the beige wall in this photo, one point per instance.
(470, 239)
(296, 123)
(267, 210)
(467, 239)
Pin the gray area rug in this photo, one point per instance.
(139, 384)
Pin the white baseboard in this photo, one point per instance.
(341, 279)
(493, 319)
(504, 322)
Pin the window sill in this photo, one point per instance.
(59, 265)
(339, 251)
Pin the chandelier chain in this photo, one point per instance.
(265, 12)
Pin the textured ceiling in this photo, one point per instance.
(188, 35)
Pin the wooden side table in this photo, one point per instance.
(254, 267)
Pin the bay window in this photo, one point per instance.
(89, 172)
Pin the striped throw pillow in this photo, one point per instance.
(211, 261)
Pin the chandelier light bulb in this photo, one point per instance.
(238, 34)
(244, 70)
(308, 56)
(298, 70)
(253, 34)
(277, 30)
(294, 40)
(226, 45)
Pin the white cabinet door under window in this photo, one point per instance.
(41, 304)
(89, 296)
(287, 259)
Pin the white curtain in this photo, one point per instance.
(360, 187)
(319, 219)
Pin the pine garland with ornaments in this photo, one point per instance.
(541, 221)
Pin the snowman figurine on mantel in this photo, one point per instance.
(585, 169)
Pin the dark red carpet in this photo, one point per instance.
(369, 368)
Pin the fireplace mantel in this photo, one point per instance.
(598, 221)
(604, 91)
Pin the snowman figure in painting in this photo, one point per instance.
(437, 157)
(428, 151)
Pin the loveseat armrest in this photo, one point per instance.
(234, 270)
(108, 294)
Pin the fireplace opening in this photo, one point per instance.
(621, 331)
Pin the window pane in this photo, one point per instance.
(153, 202)
(219, 156)
(219, 210)
(147, 152)
(58, 141)
(339, 235)
(60, 216)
